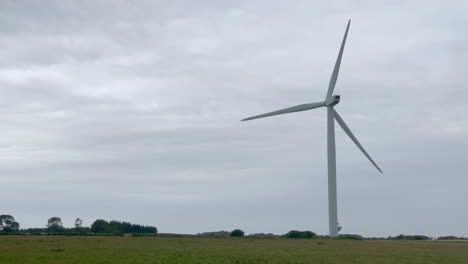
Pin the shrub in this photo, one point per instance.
(215, 234)
(350, 236)
(406, 237)
(451, 238)
(300, 234)
(237, 233)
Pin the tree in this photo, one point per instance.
(14, 227)
(100, 226)
(237, 233)
(116, 227)
(8, 224)
(78, 224)
(54, 224)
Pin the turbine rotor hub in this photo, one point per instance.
(333, 100)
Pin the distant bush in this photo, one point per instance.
(300, 234)
(451, 238)
(215, 234)
(406, 237)
(263, 235)
(351, 236)
(175, 235)
(67, 231)
(237, 233)
(142, 235)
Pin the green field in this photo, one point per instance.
(86, 250)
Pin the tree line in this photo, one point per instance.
(8, 225)
(55, 226)
(102, 226)
(295, 234)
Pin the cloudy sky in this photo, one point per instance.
(130, 110)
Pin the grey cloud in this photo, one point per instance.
(131, 111)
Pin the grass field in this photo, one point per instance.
(165, 250)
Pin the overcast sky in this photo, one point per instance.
(130, 110)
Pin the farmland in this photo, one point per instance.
(114, 249)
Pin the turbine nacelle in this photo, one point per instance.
(333, 100)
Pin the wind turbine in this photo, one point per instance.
(329, 102)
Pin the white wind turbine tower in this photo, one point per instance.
(330, 101)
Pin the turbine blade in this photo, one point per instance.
(297, 108)
(336, 70)
(354, 139)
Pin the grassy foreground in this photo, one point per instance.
(166, 250)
